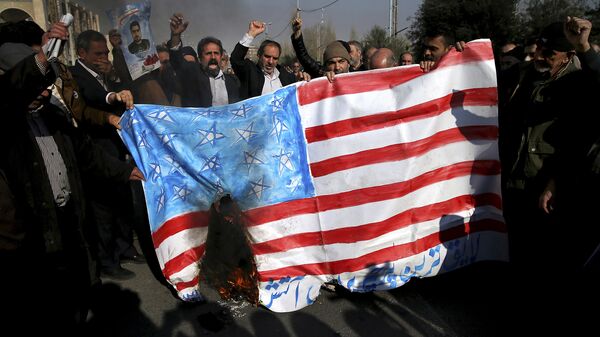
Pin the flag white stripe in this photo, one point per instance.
(370, 212)
(186, 274)
(371, 175)
(402, 133)
(343, 251)
(180, 242)
(488, 250)
(465, 76)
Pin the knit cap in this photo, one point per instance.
(336, 49)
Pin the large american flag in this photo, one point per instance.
(372, 180)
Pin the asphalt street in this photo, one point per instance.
(483, 299)
(469, 302)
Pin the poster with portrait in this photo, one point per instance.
(132, 20)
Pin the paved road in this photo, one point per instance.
(470, 302)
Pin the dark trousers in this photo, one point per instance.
(113, 234)
(47, 294)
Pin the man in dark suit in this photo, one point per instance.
(204, 84)
(110, 203)
(265, 76)
(138, 45)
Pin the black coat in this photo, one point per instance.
(251, 76)
(195, 84)
(310, 65)
(92, 91)
(36, 226)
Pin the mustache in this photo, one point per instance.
(428, 58)
(213, 61)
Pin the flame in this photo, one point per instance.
(228, 264)
(240, 285)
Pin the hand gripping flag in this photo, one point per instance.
(372, 180)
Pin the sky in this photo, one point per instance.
(228, 19)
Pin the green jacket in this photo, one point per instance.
(538, 103)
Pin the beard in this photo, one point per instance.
(541, 67)
(212, 72)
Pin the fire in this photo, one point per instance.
(241, 285)
(228, 264)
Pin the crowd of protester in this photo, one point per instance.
(70, 194)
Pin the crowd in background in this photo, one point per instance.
(70, 195)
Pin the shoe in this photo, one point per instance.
(118, 273)
(137, 259)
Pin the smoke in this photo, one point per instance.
(225, 19)
(228, 264)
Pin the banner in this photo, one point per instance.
(133, 22)
(368, 182)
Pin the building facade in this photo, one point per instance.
(44, 12)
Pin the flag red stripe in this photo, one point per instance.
(402, 151)
(393, 253)
(324, 203)
(179, 262)
(372, 230)
(469, 97)
(315, 91)
(189, 284)
(178, 224)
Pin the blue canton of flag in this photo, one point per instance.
(254, 150)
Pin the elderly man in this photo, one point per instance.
(356, 61)
(406, 58)
(204, 84)
(336, 55)
(383, 58)
(547, 134)
(265, 76)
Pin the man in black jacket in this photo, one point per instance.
(336, 55)
(204, 84)
(43, 251)
(110, 202)
(265, 76)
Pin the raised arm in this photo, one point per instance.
(577, 31)
(311, 66)
(238, 56)
(178, 25)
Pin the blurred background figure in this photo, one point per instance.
(406, 58)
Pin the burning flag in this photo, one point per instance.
(372, 180)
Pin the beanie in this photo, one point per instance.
(336, 49)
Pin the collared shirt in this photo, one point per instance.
(53, 160)
(272, 81)
(98, 78)
(218, 89)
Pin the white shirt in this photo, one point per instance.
(218, 89)
(272, 81)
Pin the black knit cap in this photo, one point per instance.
(553, 37)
